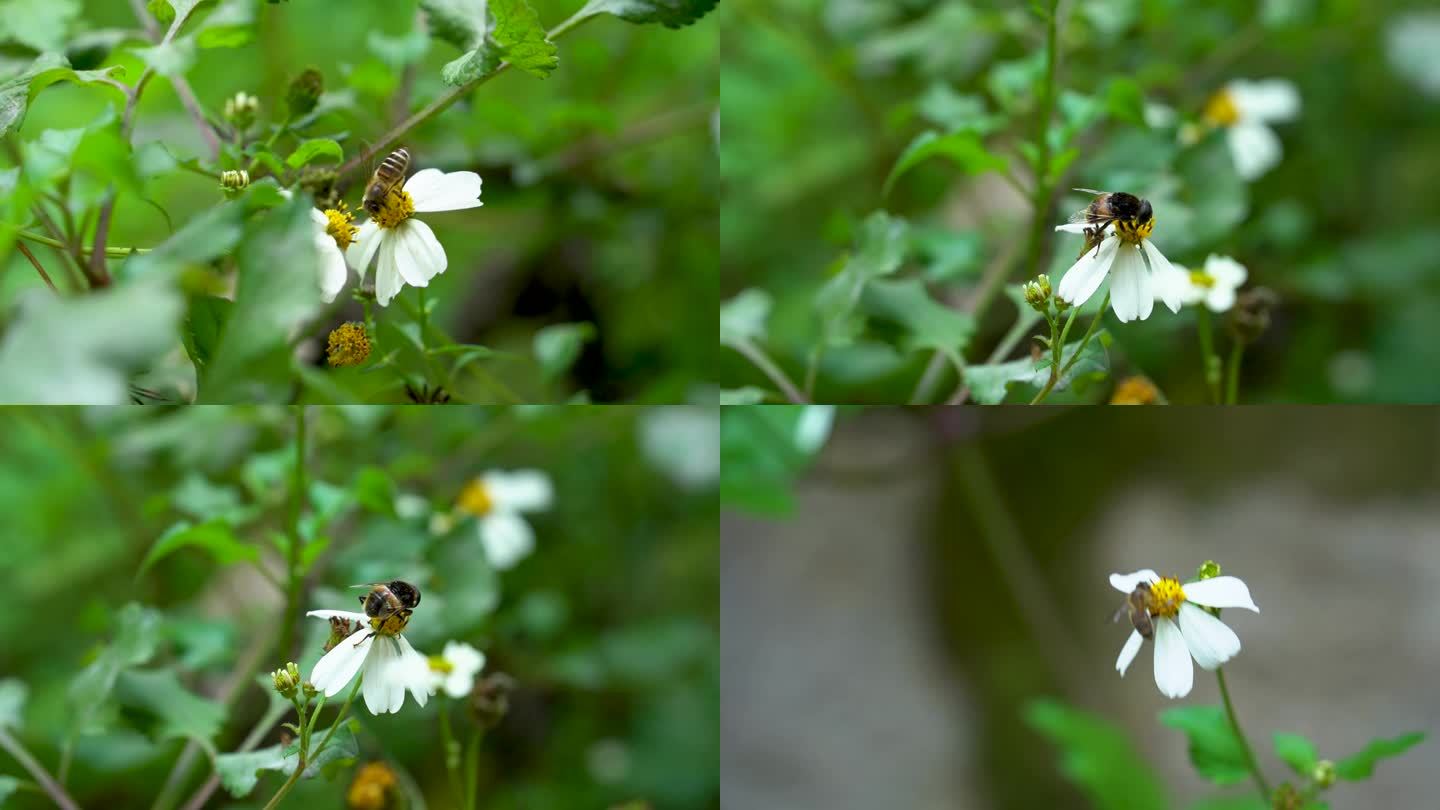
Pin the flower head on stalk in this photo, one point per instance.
(498, 500)
(407, 250)
(454, 670)
(1176, 618)
(1245, 110)
(377, 650)
(1214, 285)
(1117, 229)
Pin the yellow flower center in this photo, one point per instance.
(475, 499)
(439, 664)
(348, 345)
(395, 209)
(1166, 597)
(1220, 110)
(1202, 279)
(1133, 230)
(338, 225)
(371, 788)
(1135, 391)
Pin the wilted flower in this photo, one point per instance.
(407, 249)
(498, 500)
(455, 669)
(1246, 109)
(389, 665)
(1182, 628)
(348, 345)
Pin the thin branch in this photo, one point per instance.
(762, 361)
(38, 268)
(17, 750)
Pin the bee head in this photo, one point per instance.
(1145, 213)
(372, 204)
(408, 594)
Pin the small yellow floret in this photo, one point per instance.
(1202, 279)
(339, 224)
(1220, 110)
(396, 208)
(1166, 597)
(1132, 231)
(475, 499)
(372, 787)
(349, 345)
(1135, 391)
(438, 663)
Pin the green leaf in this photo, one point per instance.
(1012, 84)
(169, 59)
(1215, 751)
(215, 536)
(992, 384)
(927, 323)
(163, 12)
(17, 92)
(1362, 765)
(558, 346)
(137, 635)
(470, 66)
(200, 241)
(461, 23)
(1125, 101)
(312, 149)
(1296, 751)
(269, 305)
(743, 317)
(39, 24)
(204, 323)
(669, 13)
(8, 785)
(12, 702)
(400, 51)
(763, 449)
(232, 25)
(880, 251)
(181, 714)
(965, 149)
(239, 772)
(522, 38)
(375, 490)
(1097, 757)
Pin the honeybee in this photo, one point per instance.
(389, 604)
(1131, 215)
(387, 177)
(1137, 605)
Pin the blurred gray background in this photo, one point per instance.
(945, 566)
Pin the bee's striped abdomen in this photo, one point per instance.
(392, 168)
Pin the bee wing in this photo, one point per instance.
(1096, 192)
(1122, 613)
(371, 585)
(1085, 216)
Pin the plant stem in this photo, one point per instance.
(1057, 348)
(1240, 735)
(17, 750)
(38, 267)
(1211, 361)
(757, 356)
(292, 568)
(443, 103)
(56, 243)
(1044, 189)
(472, 768)
(300, 764)
(452, 750)
(1085, 339)
(1232, 380)
(344, 709)
(306, 756)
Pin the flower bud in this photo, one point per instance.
(490, 699)
(1323, 773)
(286, 680)
(1037, 293)
(309, 689)
(304, 91)
(1208, 570)
(320, 182)
(235, 180)
(349, 345)
(1061, 305)
(1250, 317)
(241, 109)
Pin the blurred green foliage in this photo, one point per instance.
(927, 109)
(132, 535)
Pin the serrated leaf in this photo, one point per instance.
(927, 323)
(137, 635)
(214, 536)
(1098, 757)
(1297, 752)
(743, 317)
(522, 38)
(462, 23)
(669, 13)
(1362, 765)
(181, 714)
(239, 772)
(470, 66)
(17, 92)
(314, 148)
(12, 702)
(880, 250)
(964, 149)
(558, 346)
(1215, 751)
(991, 384)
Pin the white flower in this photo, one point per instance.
(390, 666)
(332, 235)
(498, 501)
(407, 249)
(1246, 109)
(1183, 630)
(455, 669)
(1132, 276)
(1214, 286)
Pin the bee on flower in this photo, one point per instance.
(1174, 616)
(1245, 110)
(1117, 227)
(375, 649)
(499, 500)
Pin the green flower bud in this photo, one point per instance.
(241, 109)
(1209, 570)
(309, 690)
(236, 180)
(304, 92)
(1323, 773)
(1037, 293)
(286, 680)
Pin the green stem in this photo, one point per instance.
(757, 357)
(22, 756)
(1057, 370)
(1240, 735)
(1232, 380)
(344, 709)
(300, 764)
(472, 768)
(109, 251)
(1085, 339)
(452, 750)
(292, 567)
(1044, 189)
(1208, 357)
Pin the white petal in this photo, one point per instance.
(1265, 100)
(1160, 266)
(1225, 270)
(1131, 295)
(463, 657)
(315, 215)
(1220, 298)
(374, 688)
(519, 490)
(1073, 227)
(340, 614)
(1173, 672)
(334, 272)
(434, 190)
(1125, 583)
(507, 538)
(1128, 652)
(1254, 148)
(458, 684)
(367, 241)
(387, 275)
(416, 672)
(418, 254)
(336, 669)
(1209, 639)
(1220, 592)
(1084, 276)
